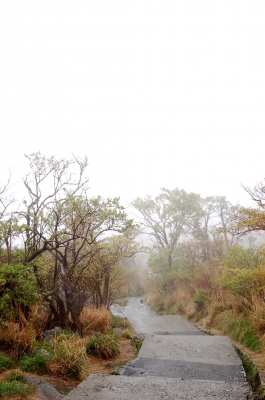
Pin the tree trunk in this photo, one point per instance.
(105, 299)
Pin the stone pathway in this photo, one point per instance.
(177, 361)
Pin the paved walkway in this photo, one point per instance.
(177, 361)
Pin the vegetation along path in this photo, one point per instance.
(176, 361)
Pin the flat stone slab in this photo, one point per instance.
(145, 320)
(166, 324)
(107, 387)
(203, 349)
(146, 367)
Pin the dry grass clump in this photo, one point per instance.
(105, 345)
(257, 314)
(95, 319)
(16, 339)
(39, 319)
(69, 355)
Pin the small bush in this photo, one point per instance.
(119, 322)
(95, 319)
(243, 332)
(20, 341)
(15, 388)
(15, 375)
(5, 362)
(159, 308)
(238, 328)
(105, 345)
(69, 355)
(201, 298)
(137, 345)
(35, 363)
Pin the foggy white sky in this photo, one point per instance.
(155, 93)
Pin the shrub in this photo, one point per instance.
(242, 331)
(69, 355)
(20, 340)
(35, 363)
(15, 375)
(5, 362)
(105, 345)
(95, 319)
(201, 298)
(137, 344)
(19, 290)
(239, 328)
(119, 322)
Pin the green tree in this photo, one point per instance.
(168, 217)
(250, 219)
(18, 291)
(8, 223)
(60, 220)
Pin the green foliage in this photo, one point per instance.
(17, 289)
(201, 298)
(105, 345)
(238, 281)
(239, 257)
(69, 354)
(15, 388)
(239, 328)
(242, 268)
(45, 345)
(243, 332)
(137, 345)
(158, 260)
(34, 363)
(194, 316)
(252, 375)
(5, 362)
(171, 214)
(119, 322)
(15, 375)
(159, 308)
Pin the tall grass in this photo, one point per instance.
(34, 363)
(69, 355)
(105, 345)
(95, 319)
(15, 389)
(18, 340)
(5, 362)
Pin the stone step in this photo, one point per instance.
(203, 349)
(164, 324)
(146, 367)
(107, 387)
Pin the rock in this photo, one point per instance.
(48, 335)
(119, 331)
(46, 391)
(140, 336)
(42, 352)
